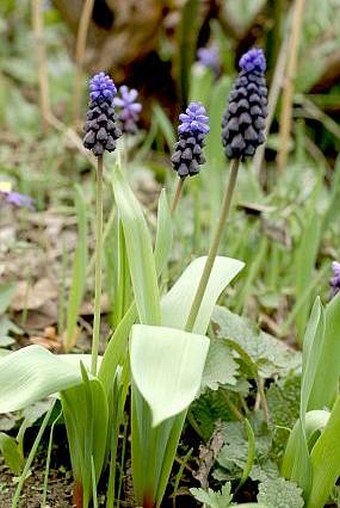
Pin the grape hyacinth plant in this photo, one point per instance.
(242, 131)
(188, 153)
(128, 109)
(101, 134)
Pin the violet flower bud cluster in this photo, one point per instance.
(243, 122)
(128, 109)
(188, 155)
(101, 129)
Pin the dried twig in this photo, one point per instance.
(79, 56)
(273, 96)
(288, 87)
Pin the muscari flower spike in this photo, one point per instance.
(244, 119)
(335, 280)
(128, 109)
(101, 130)
(188, 154)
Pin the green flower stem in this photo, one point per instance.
(178, 194)
(227, 198)
(98, 266)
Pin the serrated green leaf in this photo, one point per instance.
(220, 367)
(219, 499)
(280, 493)
(283, 398)
(271, 355)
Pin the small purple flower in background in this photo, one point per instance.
(188, 155)
(101, 131)
(335, 280)
(209, 57)
(128, 109)
(14, 198)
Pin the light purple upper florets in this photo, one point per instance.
(194, 119)
(102, 88)
(129, 108)
(253, 60)
(335, 280)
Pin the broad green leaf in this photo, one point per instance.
(116, 349)
(327, 375)
(325, 458)
(153, 450)
(176, 304)
(296, 461)
(85, 410)
(312, 349)
(12, 453)
(139, 249)
(32, 373)
(167, 367)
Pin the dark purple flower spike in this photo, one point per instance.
(193, 127)
(243, 122)
(101, 130)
